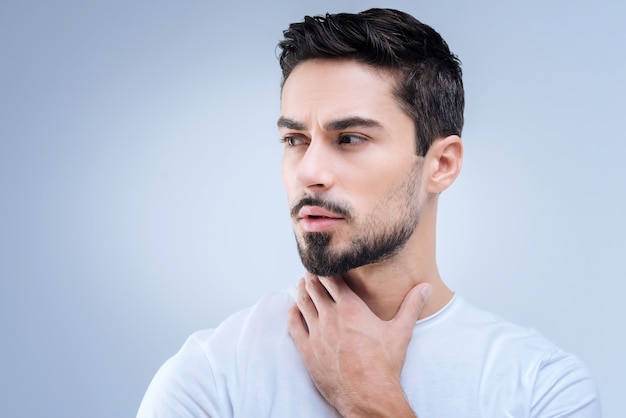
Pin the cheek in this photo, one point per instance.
(285, 171)
(375, 184)
(388, 190)
(288, 177)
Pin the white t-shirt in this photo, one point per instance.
(461, 362)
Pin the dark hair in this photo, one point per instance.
(428, 76)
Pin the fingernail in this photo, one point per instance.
(426, 291)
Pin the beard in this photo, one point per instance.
(384, 233)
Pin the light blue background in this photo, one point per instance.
(141, 197)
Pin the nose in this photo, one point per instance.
(314, 170)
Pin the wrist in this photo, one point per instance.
(388, 402)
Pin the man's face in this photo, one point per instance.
(349, 165)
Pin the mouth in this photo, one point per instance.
(316, 212)
(317, 219)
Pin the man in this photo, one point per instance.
(371, 117)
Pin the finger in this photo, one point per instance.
(412, 305)
(297, 327)
(305, 304)
(317, 291)
(337, 288)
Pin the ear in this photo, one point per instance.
(443, 163)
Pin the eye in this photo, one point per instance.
(292, 141)
(351, 139)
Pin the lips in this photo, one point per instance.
(317, 219)
(317, 212)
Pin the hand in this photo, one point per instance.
(354, 358)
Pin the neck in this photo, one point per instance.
(384, 285)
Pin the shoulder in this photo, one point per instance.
(195, 381)
(556, 382)
(563, 383)
(504, 366)
(257, 324)
(499, 334)
(184, 385)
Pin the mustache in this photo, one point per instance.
(334, 207)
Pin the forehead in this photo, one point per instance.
(325, 89)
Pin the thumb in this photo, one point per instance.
(413, 304)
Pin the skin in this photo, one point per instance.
(353, 331)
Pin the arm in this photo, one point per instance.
(354, 358)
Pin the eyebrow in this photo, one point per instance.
(284, 122)
(336, 125)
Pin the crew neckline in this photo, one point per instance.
(440, 315)
(423, 323)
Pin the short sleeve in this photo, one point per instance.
(565, 388)
(184, 386)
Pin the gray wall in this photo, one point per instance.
(141, 197)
